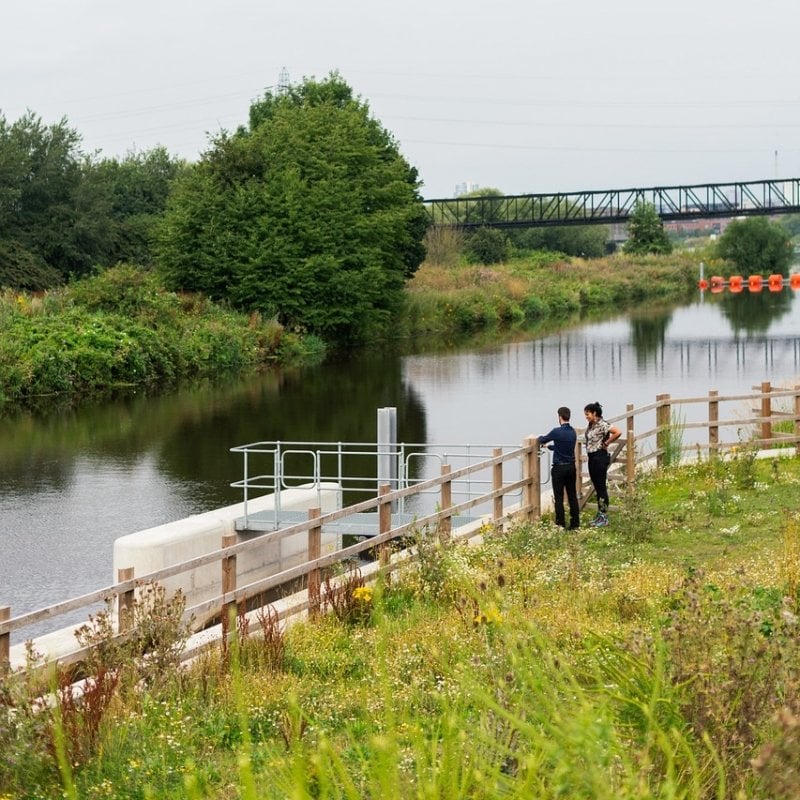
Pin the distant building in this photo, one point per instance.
(465, 188)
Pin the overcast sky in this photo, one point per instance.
(522, 95)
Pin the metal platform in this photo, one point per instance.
(363, 525)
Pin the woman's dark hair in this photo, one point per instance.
(595, 408)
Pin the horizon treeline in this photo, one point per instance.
(65, 212)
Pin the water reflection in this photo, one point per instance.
(758, 312)
(647, 333)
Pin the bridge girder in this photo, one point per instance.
(609, 206)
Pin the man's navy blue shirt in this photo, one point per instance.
(563, 438)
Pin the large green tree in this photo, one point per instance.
(646, 232)
(756, 246)
(309, 213)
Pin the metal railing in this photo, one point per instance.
(272, 466)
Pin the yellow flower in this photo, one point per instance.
(490, 616)
(363, 594)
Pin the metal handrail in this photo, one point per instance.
(405, 455)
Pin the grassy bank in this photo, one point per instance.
(123, 329)
(654, 658)
(456, 298)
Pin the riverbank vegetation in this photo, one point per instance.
(450, 296)
(654, 658)
(123, 329)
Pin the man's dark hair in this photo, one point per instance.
(564, 413)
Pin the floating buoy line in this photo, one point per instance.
(753, 283)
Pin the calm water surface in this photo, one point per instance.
(73, 482)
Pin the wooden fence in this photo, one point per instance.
(651, 447)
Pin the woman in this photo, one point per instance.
(599, 435)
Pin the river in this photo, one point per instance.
(72, 482)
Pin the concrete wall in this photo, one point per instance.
(152, 549)
(173, 542)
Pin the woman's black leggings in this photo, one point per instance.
(598, 470)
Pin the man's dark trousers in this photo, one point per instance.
(564, 476)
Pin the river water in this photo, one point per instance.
(72, 482)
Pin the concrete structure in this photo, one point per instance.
(175, 542)
(155, 548)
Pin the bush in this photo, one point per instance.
(488, 246)
(123, 328)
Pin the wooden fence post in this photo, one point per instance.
(713, 419)
(663, 418)
(384, 524)
(766, 411)
(579, 470)
(125, 601)
(5, 641)
(228, 563)
(497, 485)
(630, 447)
(314, 552)
(531, 488)
(797, 418)
(446, 523)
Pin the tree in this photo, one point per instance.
(588, 241)
(310, 213)
(63, 213)
(646, 232)
(40, 171)
(488, 246)
(135, 191)
(756, 246)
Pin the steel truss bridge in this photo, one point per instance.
(610, 206)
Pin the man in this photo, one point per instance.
(563, 472)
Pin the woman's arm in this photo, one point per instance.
(613, 434)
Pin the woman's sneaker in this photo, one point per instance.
(601, 521)
(593, 523)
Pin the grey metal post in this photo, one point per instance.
(277, 479)
(387, 448)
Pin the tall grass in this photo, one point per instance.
(537, 664)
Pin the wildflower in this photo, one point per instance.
(490, 616)
(363, 594)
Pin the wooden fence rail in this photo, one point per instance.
(636, 450)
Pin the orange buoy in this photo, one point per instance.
(735, 283)
(794, 280)
(754, 283)
(775, 282)
(703, 284)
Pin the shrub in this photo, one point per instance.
(488, 246)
